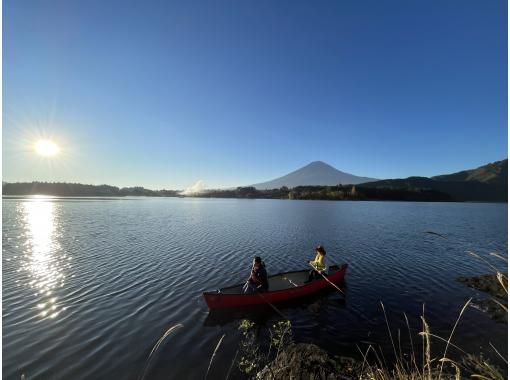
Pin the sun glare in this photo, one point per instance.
(46, 148)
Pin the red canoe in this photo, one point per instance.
(283, 287)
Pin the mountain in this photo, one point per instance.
(486, 183)
(316, 173)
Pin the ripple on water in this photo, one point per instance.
(90, 286)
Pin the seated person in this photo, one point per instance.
(319, 264)
(258, 278)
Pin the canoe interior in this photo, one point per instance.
(280, 281)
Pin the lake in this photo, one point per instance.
(90, 285)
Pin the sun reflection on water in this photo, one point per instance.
(43, 261)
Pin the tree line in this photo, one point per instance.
(80, 190)
(380, 191)
(338, 192)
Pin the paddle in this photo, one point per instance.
(336, 287)
(292, 282)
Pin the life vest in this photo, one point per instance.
(320, 262)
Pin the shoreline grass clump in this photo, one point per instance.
(254, 353)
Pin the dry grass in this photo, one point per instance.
(156, 347)
(432, 368)
(213, 355)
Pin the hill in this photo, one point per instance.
(495, 173)
(486, 183)
(316, 173)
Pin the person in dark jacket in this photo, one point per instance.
(258, 278)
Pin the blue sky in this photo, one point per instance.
(163, 94)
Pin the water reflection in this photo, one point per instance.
(43, 260)
(261, 314)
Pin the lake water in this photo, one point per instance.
(90, 285)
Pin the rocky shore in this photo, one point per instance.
(307, 361)
(491, 285)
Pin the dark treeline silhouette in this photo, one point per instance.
(79, 190)
(456, 190)
(409, 189)
(339, 192)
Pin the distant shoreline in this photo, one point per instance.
(141, 197)
(418, 190)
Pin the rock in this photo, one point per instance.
(489, 284)
(308, 362)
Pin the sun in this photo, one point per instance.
(46, 148)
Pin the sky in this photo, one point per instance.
(163, 94)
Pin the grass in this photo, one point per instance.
(167, 333)
(213, 355)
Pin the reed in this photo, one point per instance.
(231, 365)
(156, 347)
(213, 355)
(432, 368)
(451, 335)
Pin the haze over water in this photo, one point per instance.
(89, 285)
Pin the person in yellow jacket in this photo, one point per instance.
(319, 264)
